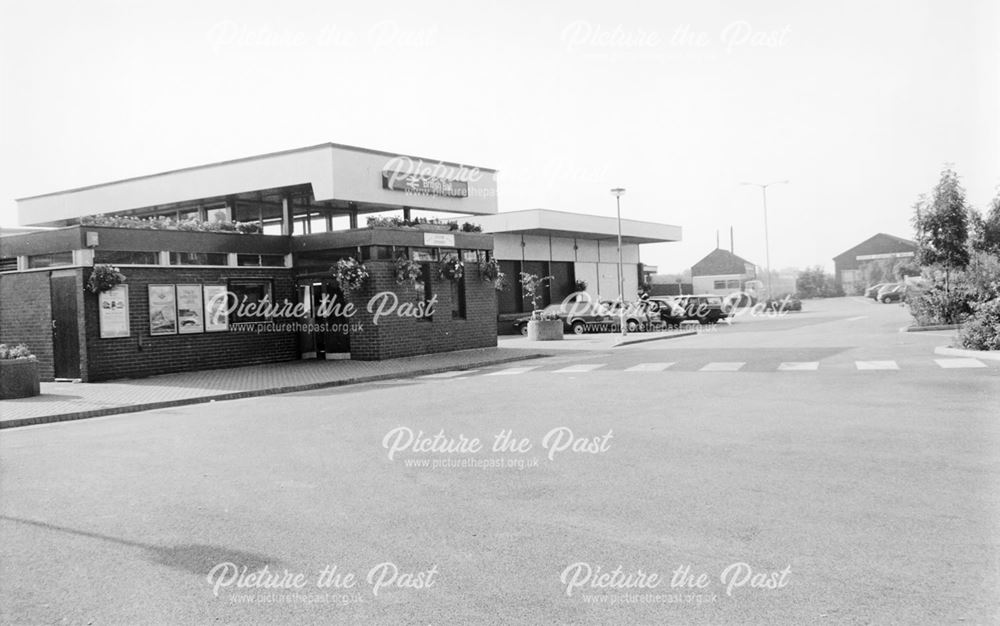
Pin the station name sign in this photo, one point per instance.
(425, 185)
(887, 255)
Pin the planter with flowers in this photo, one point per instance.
(104, 278)
(350, 274)
(18, 372)
(452, 267)
(541, 326)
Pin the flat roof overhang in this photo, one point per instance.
(546, 222)
(334, 172)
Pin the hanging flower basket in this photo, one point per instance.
(489, 268)
(408, 271)
(350, 274)
(104, 277)
(452, 267)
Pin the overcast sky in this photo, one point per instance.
(858, 104)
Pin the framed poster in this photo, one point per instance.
(162, 310)
(113, 318)
(190, 311)
(216, 308)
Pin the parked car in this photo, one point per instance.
(737, 300)
(577, 317)
(872, 292)
(638, 315)
(783, 303)
(892, 292)
(704, 308)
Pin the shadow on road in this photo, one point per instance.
(195, 558)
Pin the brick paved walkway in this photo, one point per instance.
(67, 401)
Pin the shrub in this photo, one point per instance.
(165, 223)
(982, 330)
(20, 351)
(940, 305)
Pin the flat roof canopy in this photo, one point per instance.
(576, 225)
(372, 180)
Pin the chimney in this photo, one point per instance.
(716, 238)
(732, 248)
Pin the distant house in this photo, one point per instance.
(850, 263)
(721, 273)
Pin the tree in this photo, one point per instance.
(813, 282)
(942, 226)
(986, 231)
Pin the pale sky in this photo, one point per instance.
(858, 104)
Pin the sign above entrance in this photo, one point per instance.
(440, 240)
(425, 185)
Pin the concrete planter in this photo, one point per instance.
(545, 330)
(19, 378)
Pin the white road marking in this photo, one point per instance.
(798, 366)
(958, 363)
(723, 366)
(649, 367)
(449, 374)
(576, 369)
(876, 365)
(854, 319)
(511, 371)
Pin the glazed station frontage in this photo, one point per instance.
(230, 264)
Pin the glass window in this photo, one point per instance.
(248, 293)
(127, 257)
(8, 264)
(458, 299)
(260, 260)
(428, 279)
(50, 260)
(732, 284)
(198, 258)
(220, 214)
(423, 255)
(186, 215)
(720, 284)
(340, 222)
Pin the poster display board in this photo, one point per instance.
(113, 318)
(216, 299)
(162, 310)
(190, 311)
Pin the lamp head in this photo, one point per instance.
(618, 192)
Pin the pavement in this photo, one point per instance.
(757, 495)
(62, 401)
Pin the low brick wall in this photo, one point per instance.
(26, 316)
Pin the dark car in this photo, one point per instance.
(577, 317)
(704, 308)
(640, 315)
(892, 292)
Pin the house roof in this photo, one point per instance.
(878, 243)
(720, 262)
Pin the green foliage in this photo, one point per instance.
(940, 305)
(409, 271)
(982, 331)
(393, 221)
(167, 223)
(813, 282)
(350, 274)
(452, 267)
(489, 268)
(942, 225)
(104, 277)
(20, 351)
(531, 287)
(986, 231)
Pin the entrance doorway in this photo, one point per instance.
(325, 334)
(65, 327)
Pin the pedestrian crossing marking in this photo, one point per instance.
(511, 371)
(799, 366)
(723, 366)
(577, 369)
(649, 367)
(451, 374)
(854, 319)
(959, 363)
(876, 365)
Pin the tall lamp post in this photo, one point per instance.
(618, 193)
(767, 244)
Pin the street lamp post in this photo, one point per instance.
(618, 193)
(767, 243)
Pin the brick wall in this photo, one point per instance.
(396, 336)
(26, 316)
(141, 354)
